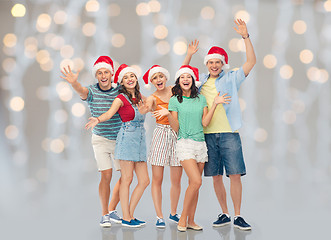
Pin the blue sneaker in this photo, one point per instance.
(140, 222)
(222, 220)
(175, 218)
(114, 217)
(105, 222)
(240, 223)
(132, 223)
(160, 223)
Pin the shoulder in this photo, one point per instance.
(202, 97)
(173, 99)
(120, 96)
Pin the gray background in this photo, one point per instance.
(48, 177)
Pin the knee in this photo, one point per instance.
(157, 180)
(126, 180)
(176, 184)
(235, 178)
(218, 179)
(145, 182)
(196, 183)
(106, 177)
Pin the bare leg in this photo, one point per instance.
(126, 180)
(220, 192)
(191, 169)
(195, 200)
(236, 192)
(104, 190)
(157, 179)
(175, 177)
(143, 181)
(115, 197)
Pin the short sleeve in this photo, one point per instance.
(121, 97)
(173, 104)
(238, 76)
(203, 101)
(89, 95)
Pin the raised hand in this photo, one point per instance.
(92, 123)
(69, 75)
(241, 28)
(193, 47)
(142, 107)
(222, 99)
(160, 113)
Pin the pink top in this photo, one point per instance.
(126, 112)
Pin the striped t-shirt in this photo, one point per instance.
(99, 102)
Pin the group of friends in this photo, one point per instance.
(197, 122)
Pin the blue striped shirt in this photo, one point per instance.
(99, 102)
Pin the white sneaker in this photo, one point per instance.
(105, 222)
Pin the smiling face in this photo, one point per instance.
(214, 67)
(159, 81)
(104, 78)
(129, 81)
(185, 82)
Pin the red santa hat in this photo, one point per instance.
(121, 71)
(218, 53)
(193, 71)
(103, 62)
(155, 69)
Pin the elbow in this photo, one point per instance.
(204, 124)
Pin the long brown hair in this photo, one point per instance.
(122, 89)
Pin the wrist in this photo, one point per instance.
(244, 37)
(98, 120)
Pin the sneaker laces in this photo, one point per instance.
(115, 212)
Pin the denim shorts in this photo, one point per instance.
(130, 142)
(224, 151)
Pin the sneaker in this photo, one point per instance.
(140, 222)
(175, 218)
(132, 223)
(105, 222)
(114, 217)
(160, 223)
(222, 220)
(240, 223)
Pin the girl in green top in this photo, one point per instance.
(188, 113)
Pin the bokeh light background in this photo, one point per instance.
(48, 177)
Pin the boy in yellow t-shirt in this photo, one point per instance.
(222, 136)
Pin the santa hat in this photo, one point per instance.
(103, 62)
(155, 69)
(218, 53)
(121, 71)
(193, 71)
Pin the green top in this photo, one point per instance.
(190, 113)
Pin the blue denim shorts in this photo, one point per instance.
(224, 151)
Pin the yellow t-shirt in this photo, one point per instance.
(219, 122)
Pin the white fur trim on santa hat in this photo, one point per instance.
(156, 70)
(197, 84)
(216, 56)
(147, 86)
(125, 71)
(99, 65)
(185, 70)
(114, 85)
